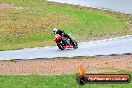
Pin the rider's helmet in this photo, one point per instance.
(55, 30)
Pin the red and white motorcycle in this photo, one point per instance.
(64, 42)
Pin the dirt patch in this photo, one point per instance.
(5, 6)
(67, 65)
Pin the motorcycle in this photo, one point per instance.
(64, 42)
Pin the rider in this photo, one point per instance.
(62, 33)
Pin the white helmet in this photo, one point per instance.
(55, 30)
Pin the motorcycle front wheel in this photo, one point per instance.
(61, 46)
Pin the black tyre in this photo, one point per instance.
(75, 45)
(61, 45)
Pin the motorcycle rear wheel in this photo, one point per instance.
(75, 45)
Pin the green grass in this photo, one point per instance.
(30, 23)
(50, 81)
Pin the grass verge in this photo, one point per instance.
(50, 81)
(29, 23)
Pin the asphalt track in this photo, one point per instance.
(124, 6)
(120, 45)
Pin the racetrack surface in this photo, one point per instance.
(118, 45)
(123, 6)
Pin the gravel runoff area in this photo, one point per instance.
(5, 6)
(43, 66)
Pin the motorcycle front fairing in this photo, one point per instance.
(58, 37)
